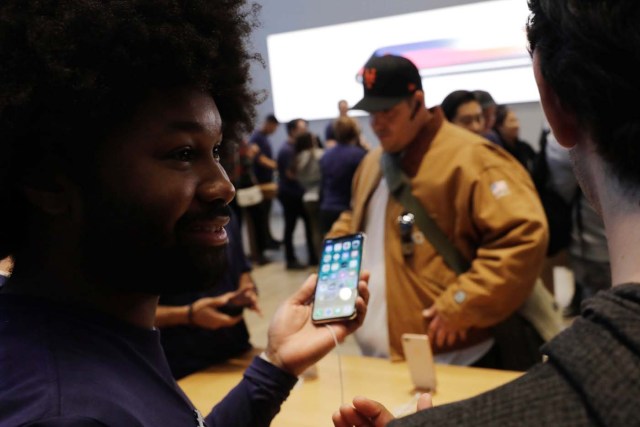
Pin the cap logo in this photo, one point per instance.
(386, 80)
(369, 77)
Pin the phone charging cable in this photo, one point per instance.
(335, 340)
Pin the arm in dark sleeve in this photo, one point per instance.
(256, 399)
(540, 397)
(67, 422)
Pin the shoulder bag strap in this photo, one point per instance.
(399, 187)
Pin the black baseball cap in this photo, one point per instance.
(387, 80)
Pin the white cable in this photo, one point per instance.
(335, 339)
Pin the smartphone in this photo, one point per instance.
(338, 276)
(417, 352)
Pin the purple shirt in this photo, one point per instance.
(287, 186)
(262, 173)
(329, 131)
(338, 165)
(63, 367)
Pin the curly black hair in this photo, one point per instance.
(71, 71)
(588, 52)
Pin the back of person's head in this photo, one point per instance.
(295, 126)
(272, 119)
(488, 107)
(305, 141)
(454, 100)
(270, 125)
(484, 98)
(292, 125)
(73, 72)
(346, 129)
(588, 52)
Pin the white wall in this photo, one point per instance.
(279, 16)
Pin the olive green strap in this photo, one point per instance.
(399, 187)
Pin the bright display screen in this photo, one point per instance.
(338, 276)
(476, 46)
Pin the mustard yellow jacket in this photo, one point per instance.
(485, 202)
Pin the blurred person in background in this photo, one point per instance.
(307, 171)
(507, 129)
(290, 193)
(489, 107)
(461, 107)
(329, 131)
(264, 169)
(338, 165)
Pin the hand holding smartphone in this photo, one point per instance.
(338, 276)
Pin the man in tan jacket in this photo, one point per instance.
(481, 198)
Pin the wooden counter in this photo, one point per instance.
(312, 401)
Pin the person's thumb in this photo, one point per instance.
(429, 312)
(305, 293)
(424, 402)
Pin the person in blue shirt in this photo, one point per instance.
(264, 168)
(337, 166)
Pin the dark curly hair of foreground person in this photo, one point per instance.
(71, 71)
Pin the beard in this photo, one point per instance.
(125, 251)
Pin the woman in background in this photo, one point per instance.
(337, 167)
(507, 128)
(307, 171)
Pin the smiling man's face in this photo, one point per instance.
(157, 220)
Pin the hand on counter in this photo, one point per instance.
(369, 413)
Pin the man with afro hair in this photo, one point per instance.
(112, 116)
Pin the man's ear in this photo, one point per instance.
(562, 122)
(419, 97)
(52, 199)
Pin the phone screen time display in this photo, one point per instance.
(338, 276)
